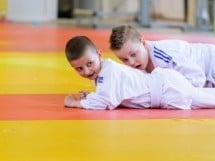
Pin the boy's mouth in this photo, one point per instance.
(138, 66)
(91, 75)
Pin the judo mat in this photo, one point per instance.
(34, 125)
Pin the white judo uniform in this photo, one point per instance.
(118, 84)
(193, 60)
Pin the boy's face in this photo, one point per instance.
(134, 54)
(89, 65)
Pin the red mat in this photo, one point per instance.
(40, 38)
(50, 107)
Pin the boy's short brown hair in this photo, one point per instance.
(121, 34)
(76, 46)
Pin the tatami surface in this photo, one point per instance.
(34, 125)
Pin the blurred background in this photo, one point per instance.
(32, 29)
(182, 14)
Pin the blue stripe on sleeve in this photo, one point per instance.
(161, 55)
(157, 56)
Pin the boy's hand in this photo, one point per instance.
(83, 94)
(69, 101)
(72, 101)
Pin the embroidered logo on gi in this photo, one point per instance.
(174, 64)
(100, 79)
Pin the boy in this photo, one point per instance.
(117, 84)
(195, 61)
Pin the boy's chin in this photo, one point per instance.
(91, 78)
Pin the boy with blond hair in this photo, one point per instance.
(194, 61)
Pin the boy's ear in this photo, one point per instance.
(99, 52)
(142, 40)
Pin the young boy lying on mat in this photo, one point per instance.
(195, 61)
(117, 84)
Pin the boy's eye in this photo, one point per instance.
(89, 64)
(79, 69)
(133, 54)
(124, 60)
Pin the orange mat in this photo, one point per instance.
(50, 107)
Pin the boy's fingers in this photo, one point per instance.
(68, 100)
(83, 94)
(86, 92)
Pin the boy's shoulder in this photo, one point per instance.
(111, 68)
(109, 65)
(167, 44)
(165, 53)
(109, 71)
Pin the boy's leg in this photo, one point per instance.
(176, 89)
(203, 98)
(178, 92)
(210, 70)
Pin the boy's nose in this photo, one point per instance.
(86, 71)
(132, 62)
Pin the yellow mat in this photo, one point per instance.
(182, 140)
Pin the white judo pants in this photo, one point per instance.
(170, 89)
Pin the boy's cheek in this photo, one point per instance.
(81, 74)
